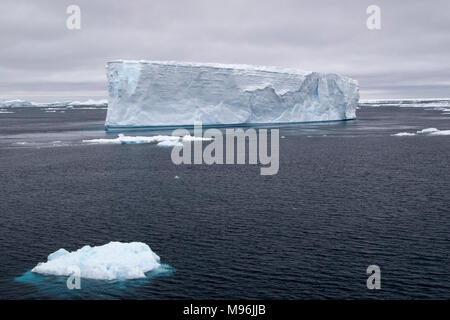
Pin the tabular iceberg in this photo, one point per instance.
(159, 93)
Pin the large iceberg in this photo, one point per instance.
(111, 261)
(159, 93)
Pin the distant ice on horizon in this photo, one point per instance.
(5, 104)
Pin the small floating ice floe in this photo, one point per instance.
(170, 143)
(427, 131)
(403, 134)
(111, 261)
(440, 133)
(161, 140)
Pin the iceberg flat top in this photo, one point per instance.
(242, 67)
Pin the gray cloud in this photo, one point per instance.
(408, 57)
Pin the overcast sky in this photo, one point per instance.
(41, 60)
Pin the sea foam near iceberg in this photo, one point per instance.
(111, 261)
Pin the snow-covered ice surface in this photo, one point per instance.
(111, 261)
(164, 93)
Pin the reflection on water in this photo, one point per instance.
(56, 286)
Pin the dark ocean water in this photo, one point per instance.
(347, 195)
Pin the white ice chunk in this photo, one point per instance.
(122, 139)
(90, 102)
(194, 138)
(15, 104)
(440, 133)
(404, 134)
(428, 130)
(169, 143)
(161, 140)
(114, 260)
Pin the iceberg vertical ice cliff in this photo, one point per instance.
(156, 93)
